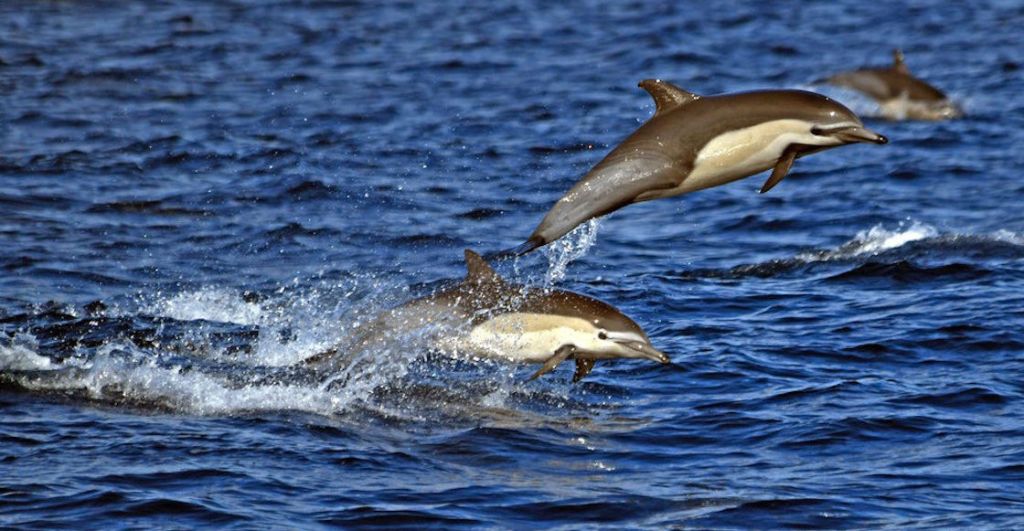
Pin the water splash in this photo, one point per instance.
(210, 304)
(293, 322)
(194, 365)
(875, 240)
(139, 378)
(120, 372)
(20, 353)
(565, 250)
(216, 350)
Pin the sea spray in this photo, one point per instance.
(875, 240)
(562, 252)
(20, 353)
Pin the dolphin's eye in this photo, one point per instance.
(602, 335)
(816, 131)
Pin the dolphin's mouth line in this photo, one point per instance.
(646, 351)
(855, 134)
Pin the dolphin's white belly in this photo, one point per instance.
(529, 337)
(744, 152)
(902, 108)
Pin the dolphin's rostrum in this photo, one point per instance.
(694, 142)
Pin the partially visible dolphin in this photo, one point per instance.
(486, 316)
(899, 94)
(694, 142)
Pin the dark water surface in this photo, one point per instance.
(195, 195)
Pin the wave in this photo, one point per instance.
(905, 271)
(123, 375)
(150, 207)
(21, 355)
(880, 251)
(873, 241)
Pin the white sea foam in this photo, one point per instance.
(293, 323)
(211, 304)
(119, 372)
(20, 354)
(1003, 235)
(496, 398)
(878, 238)
(875, 240)
(196, 392)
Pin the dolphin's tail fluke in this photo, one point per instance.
(527, 246)
(523, 248)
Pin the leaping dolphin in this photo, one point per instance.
(694, 142)
(899, 94)
(484, 315)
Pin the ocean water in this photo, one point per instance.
(196, 195)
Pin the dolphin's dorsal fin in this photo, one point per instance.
(897, 62)
(666, 95)
(479, 271)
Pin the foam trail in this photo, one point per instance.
(571, 247)
(119, 373)
(293, 323)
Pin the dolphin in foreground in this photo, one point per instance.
(486, 316)
(899, 94)
(694, 142)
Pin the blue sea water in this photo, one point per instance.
(196, 195)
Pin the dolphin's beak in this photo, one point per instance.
(646, 351)
(858, 133)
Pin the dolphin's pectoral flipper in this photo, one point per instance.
(781, 168)
(583, 367)
(559, 356)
